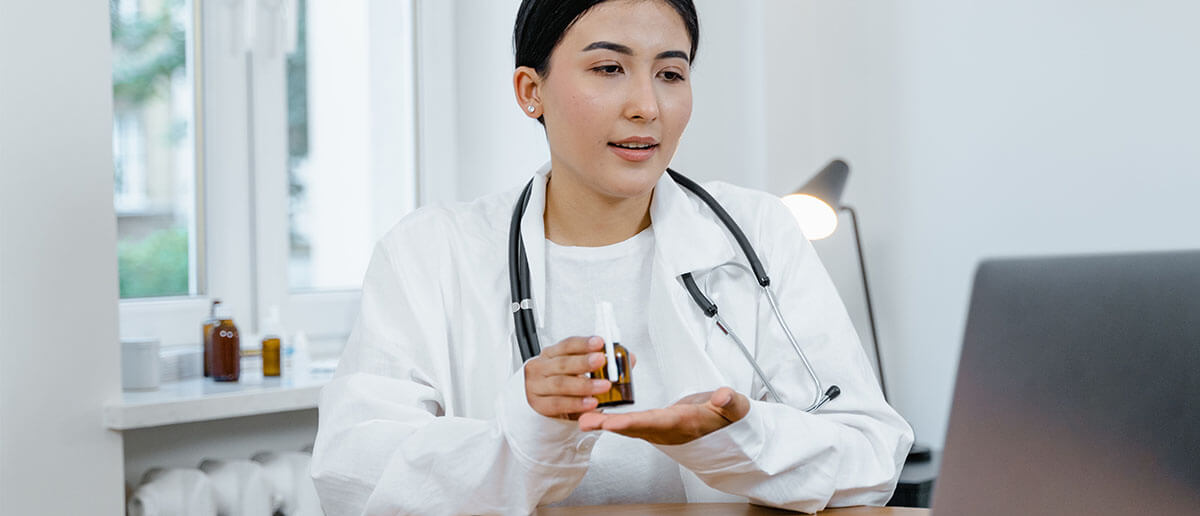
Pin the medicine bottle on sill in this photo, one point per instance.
(226, 346)
(206, 336)
(272, 343)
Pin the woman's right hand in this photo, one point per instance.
(556, 381)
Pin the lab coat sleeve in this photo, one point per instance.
(852, 450)
(384, 445)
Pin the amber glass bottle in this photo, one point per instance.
(271, 342)
(621, 392)
(270, 355)
(616, 368)
(226, 347)
(206, 336)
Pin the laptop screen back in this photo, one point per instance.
(1078, 389)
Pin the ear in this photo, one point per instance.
(527, 86)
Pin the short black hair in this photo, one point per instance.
(541, 24)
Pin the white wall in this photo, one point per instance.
(491, 146)
(978, 129)
(58, 271)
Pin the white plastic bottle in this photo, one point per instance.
(301, 359)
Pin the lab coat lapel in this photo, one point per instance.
(689, 238)
(533, 232)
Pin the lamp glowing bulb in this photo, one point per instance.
(817, 218)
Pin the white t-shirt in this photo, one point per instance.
(622, 469)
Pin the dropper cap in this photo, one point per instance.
(223, 312)
(606, 328)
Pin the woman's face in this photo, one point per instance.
(618, 79)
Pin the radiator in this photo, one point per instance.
(267, 484)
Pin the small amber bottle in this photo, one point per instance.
(272, 343)
(621, 392)
(616, 368)
(270, 355)
(226, 348)
(206, 336)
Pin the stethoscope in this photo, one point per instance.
(522, 308)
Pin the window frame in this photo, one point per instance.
(242, 225)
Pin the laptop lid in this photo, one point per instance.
(1078, 389)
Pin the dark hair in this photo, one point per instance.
(541, 24)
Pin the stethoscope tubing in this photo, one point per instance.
(522, 307)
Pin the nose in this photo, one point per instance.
(642, 103)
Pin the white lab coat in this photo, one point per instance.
(427, 411)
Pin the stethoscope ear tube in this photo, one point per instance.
(701, 300)
(760, 274)
(522, 308)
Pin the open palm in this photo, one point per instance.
(688, 419)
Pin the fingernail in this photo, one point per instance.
(595, 341)
(596, 359)
(587, 402)
(601, 385)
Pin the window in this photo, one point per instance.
(153, 148)
(271, 146)
(346, 176)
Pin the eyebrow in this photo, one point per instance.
(622, 49)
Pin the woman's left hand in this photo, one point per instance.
(687, 420)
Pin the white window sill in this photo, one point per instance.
(202, 399)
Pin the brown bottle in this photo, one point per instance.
(617, 360)
(271, 343)
(270, 355)
(206, 336)
(621, 392)
(226, 347)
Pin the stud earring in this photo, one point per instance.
(530, 109)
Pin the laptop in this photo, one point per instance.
(1078, 389)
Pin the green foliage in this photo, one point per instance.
(147, 52)
(297, 107)
(155, 266)
(297, 84)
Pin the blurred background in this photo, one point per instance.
(158, 154)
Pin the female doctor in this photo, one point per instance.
(432, 409)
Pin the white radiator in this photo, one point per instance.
(270, 483)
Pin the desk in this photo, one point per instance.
(718, 509)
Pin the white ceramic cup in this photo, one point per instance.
(139, 364)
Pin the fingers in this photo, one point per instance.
(645, 421)
(688, 419)
(592, 421)
(561, 385)
(573, 346)
(572, 364)
(556, 383)
(554, 406)
(573, 355)
(730, 404)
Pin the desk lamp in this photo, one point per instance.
(815, 206)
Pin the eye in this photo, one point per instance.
(671, 76)
(611, 69)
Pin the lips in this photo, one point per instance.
(638, 148)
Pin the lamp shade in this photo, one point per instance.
(815, 204)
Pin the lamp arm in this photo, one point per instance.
(862, 264)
